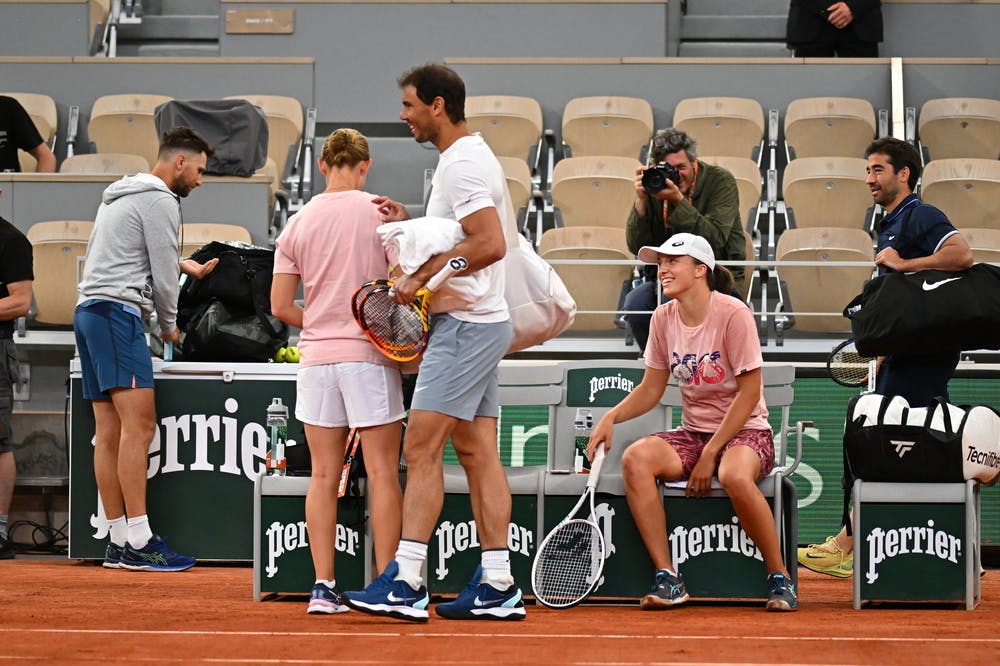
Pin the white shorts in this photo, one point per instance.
(358, 395)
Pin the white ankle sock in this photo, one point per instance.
(410, 556)
(139, 532)
(496, 568)
(332, 583)
(119, 531)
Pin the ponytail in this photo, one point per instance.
(720, 279)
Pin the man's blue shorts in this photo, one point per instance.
(113, 348)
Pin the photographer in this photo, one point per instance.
(697, 198)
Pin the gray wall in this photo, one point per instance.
(940, 30)
(44, 29)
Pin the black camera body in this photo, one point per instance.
(654, 179)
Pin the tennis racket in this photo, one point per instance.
(400, 331)
(848, 367)
(569, 562)
(353, 441)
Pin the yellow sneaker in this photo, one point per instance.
(827, 558)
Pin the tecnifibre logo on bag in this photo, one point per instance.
(902, 446)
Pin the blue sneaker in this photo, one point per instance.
(113, 557)
(667, 591)
(390, 597)
(482, 601)
(781, 593)
(326, 600)
(154, 556)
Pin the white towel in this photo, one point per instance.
(421, 238)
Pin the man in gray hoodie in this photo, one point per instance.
(131, 271)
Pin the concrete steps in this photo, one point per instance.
(722, 28)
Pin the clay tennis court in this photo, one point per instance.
(61, 611)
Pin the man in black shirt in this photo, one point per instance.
(17, 130)
(16, 276)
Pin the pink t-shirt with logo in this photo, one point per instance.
(332, 246)
(705, 360)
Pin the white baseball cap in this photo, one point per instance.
(679, 245)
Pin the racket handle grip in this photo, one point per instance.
(168, 351)
(595, 466)
(454, 265)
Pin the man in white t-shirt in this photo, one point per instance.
(457, 392)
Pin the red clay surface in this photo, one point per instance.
(59, 611)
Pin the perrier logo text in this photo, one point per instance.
(619, 382)
(886, 544)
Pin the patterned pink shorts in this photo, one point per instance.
(689, 444)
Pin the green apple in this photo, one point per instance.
(281, 356)
(292, 355)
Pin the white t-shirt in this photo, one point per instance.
(469, 178)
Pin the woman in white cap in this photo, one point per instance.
(707, 340)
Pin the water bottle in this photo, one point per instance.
(583, 424)
(277, 428)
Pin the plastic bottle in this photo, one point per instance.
(277, 428)
(583, 425)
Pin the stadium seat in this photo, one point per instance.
(985, 244)
(967, 190)
(59, 248)
(619, 126)
(594, 191)
(595, 288)
(960, 127)
(510, 125)
(819, 288)
(196, 234)
(518, 177)
(115, 163)
(125, 124)
(750, 272)
(98, 11)
(826, 192)
(284, 126)
(42, 110)
(828, 127)
(277, 196)
(748, 182)
(731, 126)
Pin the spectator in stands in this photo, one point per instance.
(343, 381)
(131, 270)
(457, 393)
(17, 130)
(821, 29)
(706, 203)
(16, 276)
(912, 236)
(707, 341)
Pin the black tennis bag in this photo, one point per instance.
(927, 312)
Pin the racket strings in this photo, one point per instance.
(390, 324)
(849, 367)
(569, 563)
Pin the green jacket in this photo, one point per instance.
(714, 213)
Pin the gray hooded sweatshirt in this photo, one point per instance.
(133, 251)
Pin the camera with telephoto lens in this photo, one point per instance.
(654, 179)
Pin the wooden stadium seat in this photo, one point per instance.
(826, 192)
(960, 127)
(98, 11)
(732, 126)
(42, 110)
(284, 125)
(829, 127)
(594, 191)
(593, 287)
(607, 126)
(967, 190)
(748, 180)
(196, 234)
(518, 176)
(510, 125)
(125, 124)
(116, 163)
(59, 248)
(985, 244)
(821, 288)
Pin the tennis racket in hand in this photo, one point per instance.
(569, 562)
(848, 367)
(399, 331)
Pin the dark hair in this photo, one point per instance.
(719, 278)
(181, 138)
(670, 140)
(431, 81)
(901, 154)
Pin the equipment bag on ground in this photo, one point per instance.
(927, 312)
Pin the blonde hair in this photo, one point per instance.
(345, 147)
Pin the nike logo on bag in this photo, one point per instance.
(928, 286)
(485, 602)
